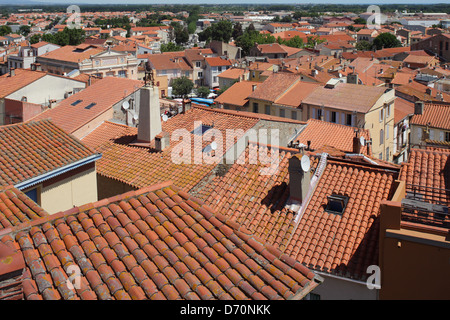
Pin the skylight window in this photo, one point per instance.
(336, 204)
(90, 105)
(200, 130)
(76, 102)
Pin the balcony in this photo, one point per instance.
(427, 206)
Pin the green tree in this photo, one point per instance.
(24, 30)
(237, 31)
(202, 92)
(181, 35)
(250, 38)
(295, 42)
(359, 21)
(363, 45)
(181, 87)
(35, 38)
(4, 30)
(220, 31)
(170, 47)
(386, 40)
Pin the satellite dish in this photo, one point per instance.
(213, 145)
(305, 163)
(125, 105)
(135, 116)
(362, 141)
(165, 117)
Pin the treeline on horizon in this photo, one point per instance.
(236, 8)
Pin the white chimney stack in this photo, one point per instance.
(149, 114)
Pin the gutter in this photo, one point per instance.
(48, 175)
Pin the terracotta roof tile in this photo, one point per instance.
(104, 93)
(231, 271)
(339, 136)
(275, 86)
(22, 78)
(72, 53)
(436, 115)
(33, 148)
(319, 240)
(237, 94)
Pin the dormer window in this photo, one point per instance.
(336, 204)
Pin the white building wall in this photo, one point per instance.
(47, 88)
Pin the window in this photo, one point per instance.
(381, 114)
(122, 73)
(388, 109)
(76, 102)
(336, 204)
(198, 64)
(32, 194)
(380, 156)
(282, 113)
(267, 109)
(387, 154)
(294, 115)
(387, 132)
(349, 120)
(219, 69)
(447, 136)
(312, 296)
(90, 105)
(333, 117)
(214, 79)
(381, 136)
(255, 107)
(200, 74)
(200, 130)
(319, 114)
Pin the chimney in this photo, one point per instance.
(254, 87)
(299, 180)
(12, 266)
(418, 107)
(12, 72)
(149, 114)
(353, 78)
(356, 143)
(162, 141)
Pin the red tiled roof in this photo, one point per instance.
(33, 148)
(72, 53)
(344, 245)
(155, 243)
(274, 86)
(323, 133)
(428, 168)
(22, 78)
(237, 94)
(17, 208)
(436, 115)
(217, 61)
(232, 73)
(105, 93)
(402, 109)
(139, 168)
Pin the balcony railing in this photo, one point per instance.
(426, 205)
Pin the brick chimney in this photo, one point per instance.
(11, 269)
(299, 180)
(356, 143)
(149, 114)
